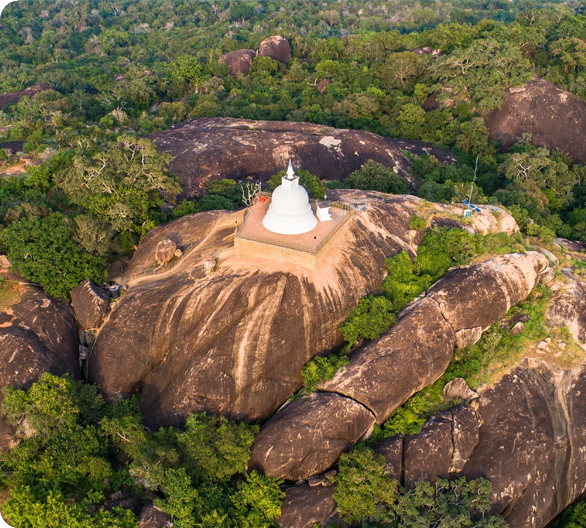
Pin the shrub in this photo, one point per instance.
(417, 223)
(402, 285)
(217, 447)
(257, 503)
(442, 248)
(362, 483)
(213, 202)
(368, 320)
(321, 369)
(184, 208)
(228, 189)
(376, 177)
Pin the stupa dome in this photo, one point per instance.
(289, 211)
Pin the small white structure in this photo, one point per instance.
(289, 211)
(323, 211)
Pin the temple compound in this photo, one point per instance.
(289, 228)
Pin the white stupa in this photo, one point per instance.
(289, 211)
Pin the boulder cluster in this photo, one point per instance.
(240, 61)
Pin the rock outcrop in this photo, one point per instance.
(37, 334)
(215, 148)
(151, 517)
(554, 118)
(384, 373)
(275, 47)
(233, 338)
(90, 304)
(303, 506)
(239, 61)
(568, 307)
(14, 97)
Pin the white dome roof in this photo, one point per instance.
(289, 211)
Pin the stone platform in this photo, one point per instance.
(307, 250)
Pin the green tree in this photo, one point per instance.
(362, 484)
(44, 251)
(376, 177)
(257, 503)
(371, 317)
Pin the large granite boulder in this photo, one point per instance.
(392, 450)
(37, 334)
(554, 117)
(90, 304)
(275, 47)
(384, 373)
(239, 61)
(217, 147)
(303, 506)
(233, 338)
(14, 97)
(533, 442)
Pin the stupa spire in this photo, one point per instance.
(290, 170)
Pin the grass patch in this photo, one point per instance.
(9, 294)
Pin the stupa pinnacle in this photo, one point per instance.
(290, 212)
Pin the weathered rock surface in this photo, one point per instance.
(165, 251)
(213, 148)
(303, 506)
(414, 351)
(383, 374)
(234, 338)
(151, 517)
(333, 422)
(90, 304)
(275, 47)
(38, 334)
(239, 61)
(568, 308)
(458, 389)
(554, 118)
(533, 442)
(323, 84)
(392, 450)
(14, 97)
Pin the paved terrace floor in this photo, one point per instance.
(310, 241)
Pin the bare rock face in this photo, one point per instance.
(165, 251)
(458, 389)
(384, 373)
(38, 334)
(554, 118)
(533, 442)
(151, 517)
(14, 97)
(90, 304)
(392, 451)
(233, 339)
(323, 84)
(303, 506)
(568, 308)
(328, 419)
(239, 61)
(211, 148)
(275, 47)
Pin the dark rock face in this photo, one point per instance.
(392, 450)
(533, 442)
(14, 97)
(239, 61)
(38, 334)
(303, 506)
(554, 118)
(275, 47)
(213, 148)
(234, 340)
(90, 304)
(419, 148)
(325, 425)
(151, 517)
(383, 374)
